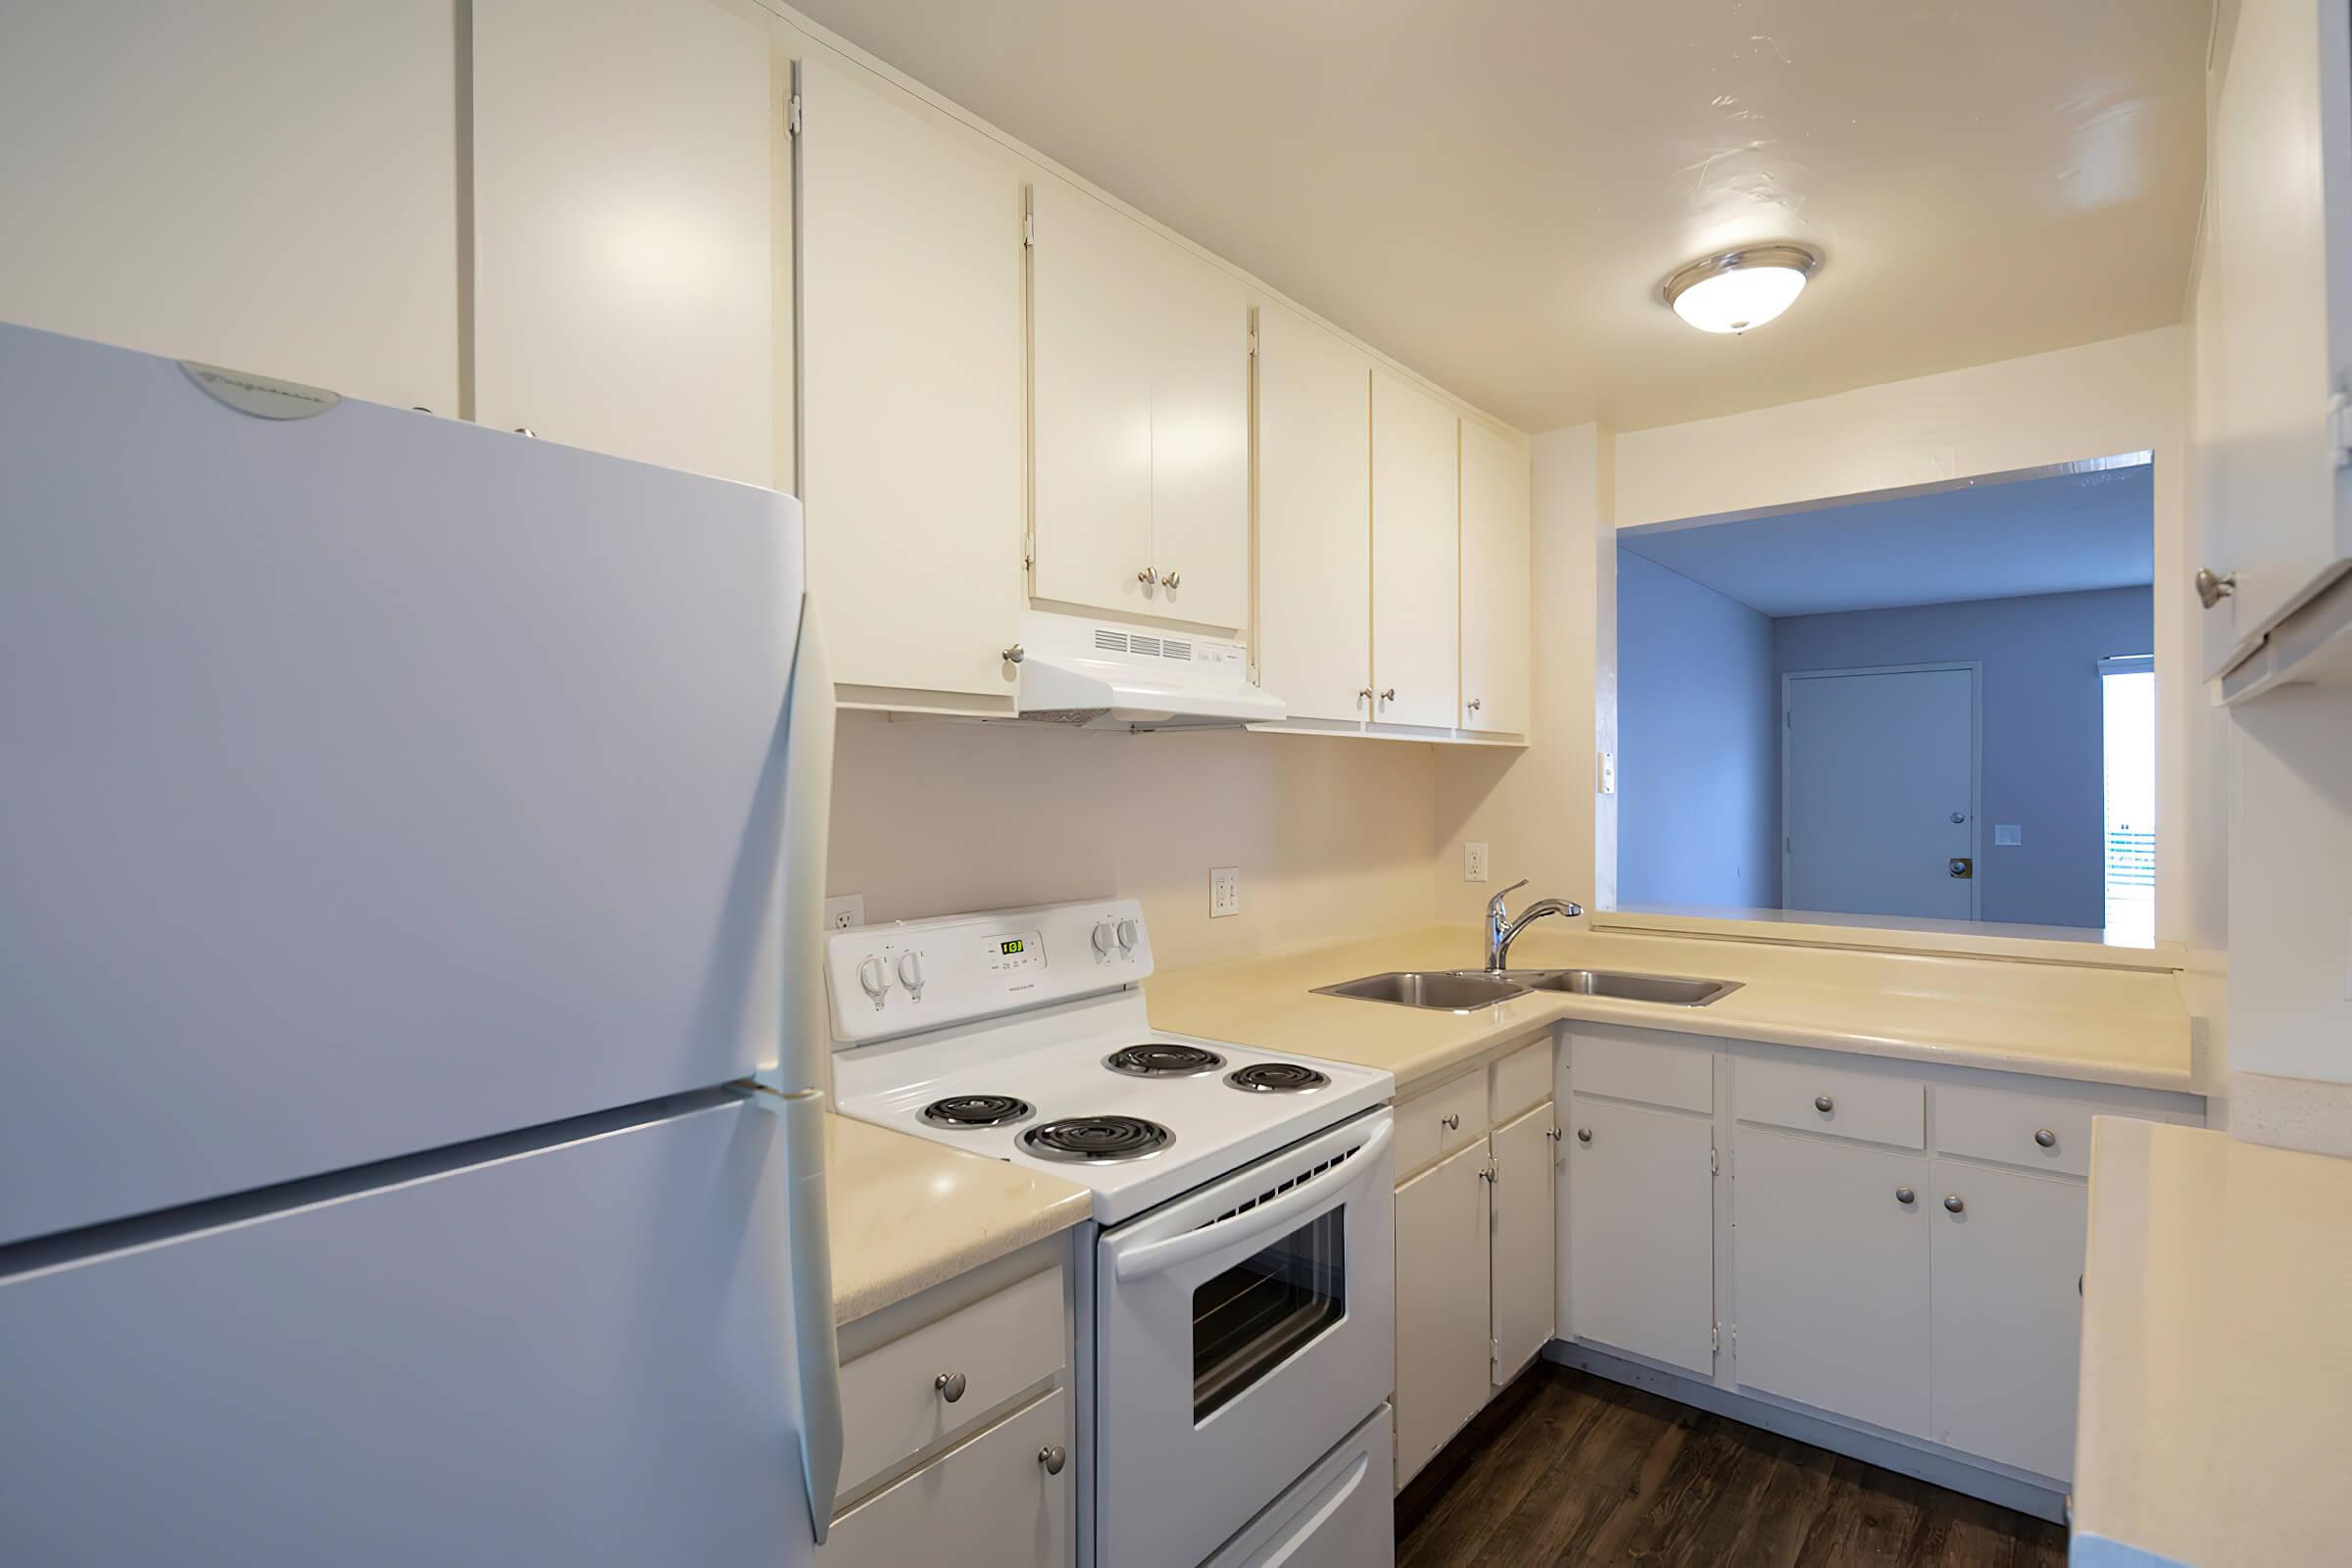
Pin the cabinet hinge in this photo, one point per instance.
(1715, 1337)
(792, 115)
(1028, 550)
(2339, 431)
(1714, 1161)
(1028, 230)
(1253, 343)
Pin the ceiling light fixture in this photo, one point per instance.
(1734, 290)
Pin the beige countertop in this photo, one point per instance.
(2103, 1025)
(907, 1213)
(2215, 1415)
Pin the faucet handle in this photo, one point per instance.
(1496, 902)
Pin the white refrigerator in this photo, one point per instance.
(411, 1038)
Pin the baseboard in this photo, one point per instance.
(1888, 1454)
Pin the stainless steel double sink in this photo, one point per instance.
(1466, 990)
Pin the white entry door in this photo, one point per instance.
(1877, 792)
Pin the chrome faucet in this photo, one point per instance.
(1503, 931)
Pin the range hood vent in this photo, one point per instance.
(1096, 674)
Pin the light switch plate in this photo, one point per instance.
(1224, 891)
(1473, 862)
(2005, 834)
(845, 911)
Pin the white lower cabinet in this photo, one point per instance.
(2007, 1315)
(997, 1500)
(1443, 1350)
(1521, 1276)
(1642, 1231)
(1830, 1276)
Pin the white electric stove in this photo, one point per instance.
(1237, 1319)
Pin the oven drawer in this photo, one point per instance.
(1001, 1500)
(1438, 1122)
(1338, 1515)
(1873, 1107)
(894, 1405)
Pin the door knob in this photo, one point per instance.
(2212, 587)
(950, 1386)
(1959, 817)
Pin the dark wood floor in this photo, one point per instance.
(1568, 1468)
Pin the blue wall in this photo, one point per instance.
(1698, 762)
(2042, 766)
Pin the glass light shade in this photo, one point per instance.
(1740, 297)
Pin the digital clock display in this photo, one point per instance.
(1012, 946)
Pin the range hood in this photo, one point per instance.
(1090, 674)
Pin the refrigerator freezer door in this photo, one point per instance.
(578, 1354)
(375, 782)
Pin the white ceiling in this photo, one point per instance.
(1491, 190)
(2060, 534)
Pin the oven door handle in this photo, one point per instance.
(1154, 1257)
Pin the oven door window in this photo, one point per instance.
(1266, 1308)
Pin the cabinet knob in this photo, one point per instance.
(1148, 576)
(1824, 1104)
(524, 429)
(1584, 1135)
(1485, 1173)
(1015, 654)
(949, 1385)
(1953, 1204)
(2046, 1139)
(1170, 581)
(1052, 1456)
(1365, 694)
(1453, 1123)
(1554, 1134)
(1473, 705)
(2213, 587)
(1904, 1195)
(1388, 696)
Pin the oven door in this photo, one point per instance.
(1241, 1332)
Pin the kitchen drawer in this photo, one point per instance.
(1630, 1064)
(1439, 1122)
(1000, 1345)
(1875, 1107)
(993, 1500)
(1522, 1082)
(2005, 1125)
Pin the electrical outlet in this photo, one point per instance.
(1473, 862)
(845, 911)
(1224, 891)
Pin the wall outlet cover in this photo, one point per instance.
(1473, 862)
(1224, 891)
(845, 911)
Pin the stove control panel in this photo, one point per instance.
(894, 979)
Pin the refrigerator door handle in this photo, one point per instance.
(803, 1068)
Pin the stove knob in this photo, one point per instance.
(875, 978)
(911, 971)
(1106, 936)
(1129, 935)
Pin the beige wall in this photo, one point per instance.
(931, 817)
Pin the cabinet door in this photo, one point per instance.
(1416, 567)
(1524, 1238)
(910, 265)
(1496, 580)
(264, 186)
(992, 1501)
(2007, 1315)
(1091, 346)
(1830, 1276)
(1642, 1232)
(623, 292)
(1314, 518)
(1442, 1313)
(1199, 439)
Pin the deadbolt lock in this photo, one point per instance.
(1963, 868)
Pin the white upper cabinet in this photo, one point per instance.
(1314, 518)
(249, 183)
(1416, 533)
(624, 280)
(1496, 582)
(1140, 393)
(910, 265)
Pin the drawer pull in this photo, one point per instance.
(950, 1386)
(1453, 1123)
(1554, 1134)
(1052, 1456)
(1584, 1135)
(1824, 1104)
(1904, 1195)
(2046, 1139)
(1953, 1204)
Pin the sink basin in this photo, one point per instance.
(1669, 990)
(1441, 990)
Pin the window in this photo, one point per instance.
(2128, 703)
